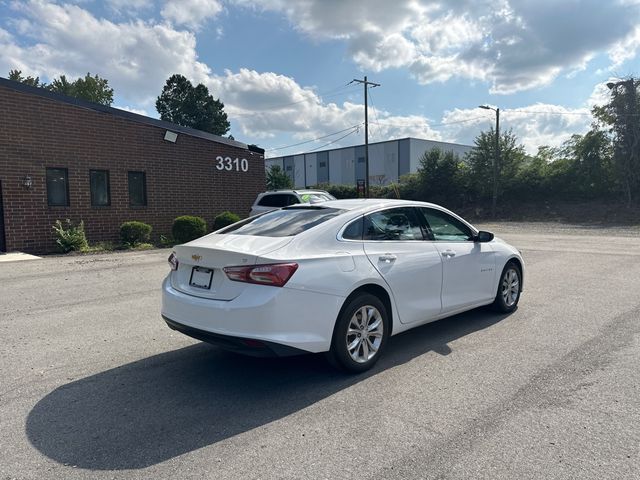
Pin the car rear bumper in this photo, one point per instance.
(284, 319)
(247, 346)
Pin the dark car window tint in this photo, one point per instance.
(292, 200)
(283, 223)
(446, 228)
(393, 224)
(278, 200)
(354, 230)
(275, 200)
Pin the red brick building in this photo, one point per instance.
(61, 158)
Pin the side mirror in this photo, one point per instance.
(483, 237)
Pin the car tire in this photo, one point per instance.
(509, 287)
(360, 335)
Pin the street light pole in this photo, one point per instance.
(496, 161)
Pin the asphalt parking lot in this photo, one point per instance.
(94, 385)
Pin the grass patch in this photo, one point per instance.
(99, 247)
(137, 246)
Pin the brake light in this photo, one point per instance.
(173, 261)
(274, 274)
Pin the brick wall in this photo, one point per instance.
(182, 178)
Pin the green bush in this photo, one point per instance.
(187, 228)
(134, 233)
(166, 241)
(224, 219)
(69, 237)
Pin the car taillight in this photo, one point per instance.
(275, 274)
(173, 261)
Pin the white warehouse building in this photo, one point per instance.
(388, 161)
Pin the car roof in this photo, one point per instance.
(303, 190)
(371, 203)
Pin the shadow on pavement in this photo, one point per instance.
(154, 409)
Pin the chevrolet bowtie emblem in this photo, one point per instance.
(196, 258)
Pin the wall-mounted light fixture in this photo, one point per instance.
(27, 182)
(170, 136)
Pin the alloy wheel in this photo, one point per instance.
(364, 333)
(510, 287)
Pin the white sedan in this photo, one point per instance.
(339, 277)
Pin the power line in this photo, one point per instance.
(375, 112)
(355, 130)
(546, 112)
(392, 124)
(561, 113)
(315, 139)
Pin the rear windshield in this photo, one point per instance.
(286, 222)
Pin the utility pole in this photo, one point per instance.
(496, 166)
(366, 84)
(496, 161)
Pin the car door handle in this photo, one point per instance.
(449, 253)
(387, 258)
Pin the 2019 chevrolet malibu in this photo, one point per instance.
(339, 277)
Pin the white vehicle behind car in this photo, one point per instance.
(339, 277)
(267, 201)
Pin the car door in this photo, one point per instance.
(467, 266)
(394, 244)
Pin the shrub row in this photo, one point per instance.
(134, 234)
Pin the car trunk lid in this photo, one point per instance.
(201, 262)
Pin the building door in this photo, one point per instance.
(3, 245)
(323, 167)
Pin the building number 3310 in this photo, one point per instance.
(228, 163)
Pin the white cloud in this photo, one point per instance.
(513, 44)
(190, 13)
(534, 125)
(127, 108)
(136, 57)
(129, 6)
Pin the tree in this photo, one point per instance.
(277, 178)
(16, 76)
(62, 85)
(94, 89)
(622, 116)
(182, 103)
(91, 88)
(592, 166)
(441, 177)
(480, 160)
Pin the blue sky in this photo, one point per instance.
(282, 68)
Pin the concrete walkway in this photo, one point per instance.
(16, 257)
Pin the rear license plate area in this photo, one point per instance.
(201, 277)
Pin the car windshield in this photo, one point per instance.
(316, 197)
(285, 222)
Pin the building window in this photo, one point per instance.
(99, 183)
(58, 187)
(137, 189)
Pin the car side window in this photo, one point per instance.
(354, 230)
(393, 224)
(292, 200)
(445, 228)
